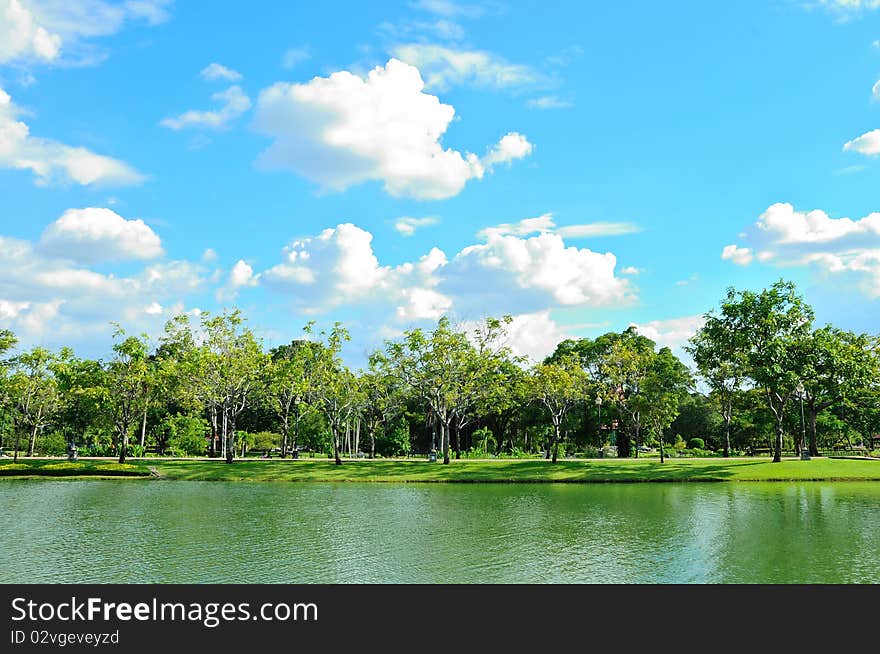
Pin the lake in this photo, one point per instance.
(233, 532)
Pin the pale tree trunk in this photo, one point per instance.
(32, 441)
(285, 426)
(143, 438)
(555, 441)
(223, 435)
(229, 427)
(372, 434)
(662, 452)
(357, 437)
(444, 437)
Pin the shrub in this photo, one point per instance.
(52, 444)
(696, 444)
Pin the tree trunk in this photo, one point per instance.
(372, 442)
(727, 435)
(335, 433)
(444, 432)
(285, 425)
(662, 453)
(555, 443)
(213, 451)
(123, 445)
(17, 443)
(777, 449)
(638, 439)
(143, 438)
(457, 443)
(32, 441)
(229, 426)
(814, 441)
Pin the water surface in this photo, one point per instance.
(233, 532)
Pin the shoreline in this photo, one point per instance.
(467, 471)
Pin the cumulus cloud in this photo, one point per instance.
(545, 223)
(875, 91)
(343, 130)
(51, 160)
(94, 235)
(46, 30)
(407, 225)
(513, 274)
(842, 251)
(739, 255)
(444, 67)
(867, 144)
(233, 103)
(511, 146)
(56, 300)
(784, 225)
(215, 71)
(535, 335)
(505, 275)
(21, 37)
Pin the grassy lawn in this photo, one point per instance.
(58, 468)
(506, 471)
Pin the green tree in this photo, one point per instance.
(766, 328)
(289, 378)
(664, 387)
(34, 394)
(832, 364)
(558, 387)
(128, 385)
(721, 361)
(335, 392)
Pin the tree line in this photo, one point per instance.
(764, 377)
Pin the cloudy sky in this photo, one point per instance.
(582, 166)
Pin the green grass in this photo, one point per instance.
(56, 468)
(505, 471)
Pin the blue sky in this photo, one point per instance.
(159, 157)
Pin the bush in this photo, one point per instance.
(136, 450)
(185, 435)
(696, 444)
(53, 444)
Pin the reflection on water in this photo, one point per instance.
(215, 532)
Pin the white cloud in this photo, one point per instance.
(868, 143)
(672, 333)
(242, 274)
(93, 234)
(509, 274)
(511, 146)
(630, 270)
(407, 226)
(56, 301)
(209, 255)
(535, 335)
(545, 223)
(444, 67)
(875, 91)
(294, 56)
(549, 102)
(449, 8)
(738, 255)
(50, 160)
(22, 38)
(784, 225)
(234, 102)
(215, 71)
(343, 130)
(47, 30)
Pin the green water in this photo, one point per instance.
(215, 532)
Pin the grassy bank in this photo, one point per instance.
(55, 468)
(506, 471)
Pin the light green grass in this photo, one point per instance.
(56, 468)
(504, 471)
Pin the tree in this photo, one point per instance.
(128, 385)
(766, 328)
(82, 389)
(335, 392)
(558, 387)
(722, 363)
(625, 367)
(7, 342)
(34, 394)
(831, 364)
(664, 387)
(230, 360)
(431, 365)
(289, 380)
